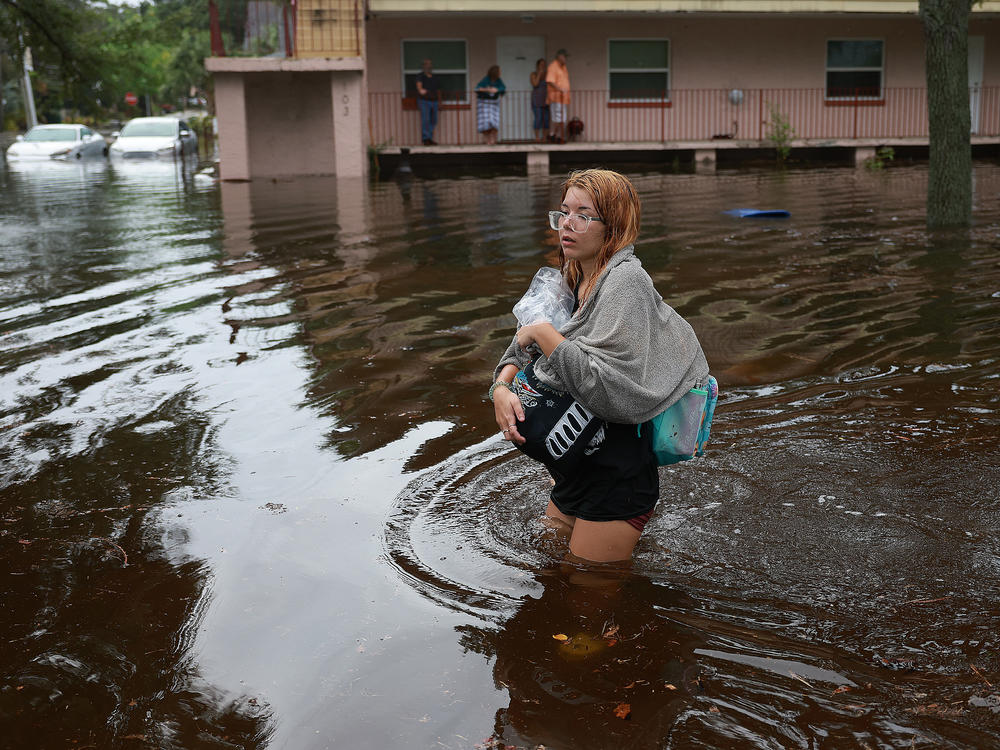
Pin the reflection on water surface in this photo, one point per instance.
(251, 494)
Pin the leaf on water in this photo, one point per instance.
(670, 686)
(623, 710)
(610, 632)
(561, 637)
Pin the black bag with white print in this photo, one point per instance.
(558, 429)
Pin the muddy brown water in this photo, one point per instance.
(251, 494)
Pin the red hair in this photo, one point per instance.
(617, 203)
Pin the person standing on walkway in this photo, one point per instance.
(488, 93)
(540, 99)
(428, 100)
(557, 78)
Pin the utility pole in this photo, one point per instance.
(29, 96)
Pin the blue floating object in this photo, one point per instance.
(756, 213)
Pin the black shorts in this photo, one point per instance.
(616, 483)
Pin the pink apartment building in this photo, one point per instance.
(677, 75)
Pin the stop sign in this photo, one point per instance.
(131, 99)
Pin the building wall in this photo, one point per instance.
(778, 60)
(735, 51)
(289, 124)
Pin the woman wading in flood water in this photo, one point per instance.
(624, 357)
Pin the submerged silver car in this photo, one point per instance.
(154, 138)
(57, 142)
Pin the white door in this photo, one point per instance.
(975, 78)
(516, 56)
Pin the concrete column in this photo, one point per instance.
(862, 154)
(538, 162)
(231, 113)
(349, 142)
(704, 160)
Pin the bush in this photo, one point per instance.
(202, 126)
(781, 133)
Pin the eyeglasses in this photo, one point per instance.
(578, 223)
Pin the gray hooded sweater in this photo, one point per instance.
(628, 355)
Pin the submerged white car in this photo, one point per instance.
(154, 137)
(57, 142)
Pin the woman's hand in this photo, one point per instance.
(527, 335)
(543, 334)
(509, 413)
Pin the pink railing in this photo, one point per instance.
(690, 115)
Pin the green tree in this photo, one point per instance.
(63, 37)
(185, 24)
(137, 55)
(88, 53)
(946, 39)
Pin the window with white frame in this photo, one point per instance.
(854, 68)
(638, 70)
(450, 65)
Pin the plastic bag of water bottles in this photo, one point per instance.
(548, 298)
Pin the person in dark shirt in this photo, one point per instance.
(428, 100)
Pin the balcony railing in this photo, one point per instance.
(286, 28)
(691, 115)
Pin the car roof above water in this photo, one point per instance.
(158, 118)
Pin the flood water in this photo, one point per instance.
(251, 493)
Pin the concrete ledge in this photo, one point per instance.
(282, 64)
(707, 145)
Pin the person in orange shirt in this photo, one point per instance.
(557, 78)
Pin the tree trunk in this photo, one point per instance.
(946, 39)
(3, 104)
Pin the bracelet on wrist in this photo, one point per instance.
(499, 384)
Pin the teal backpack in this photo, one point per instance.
(681, 431)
